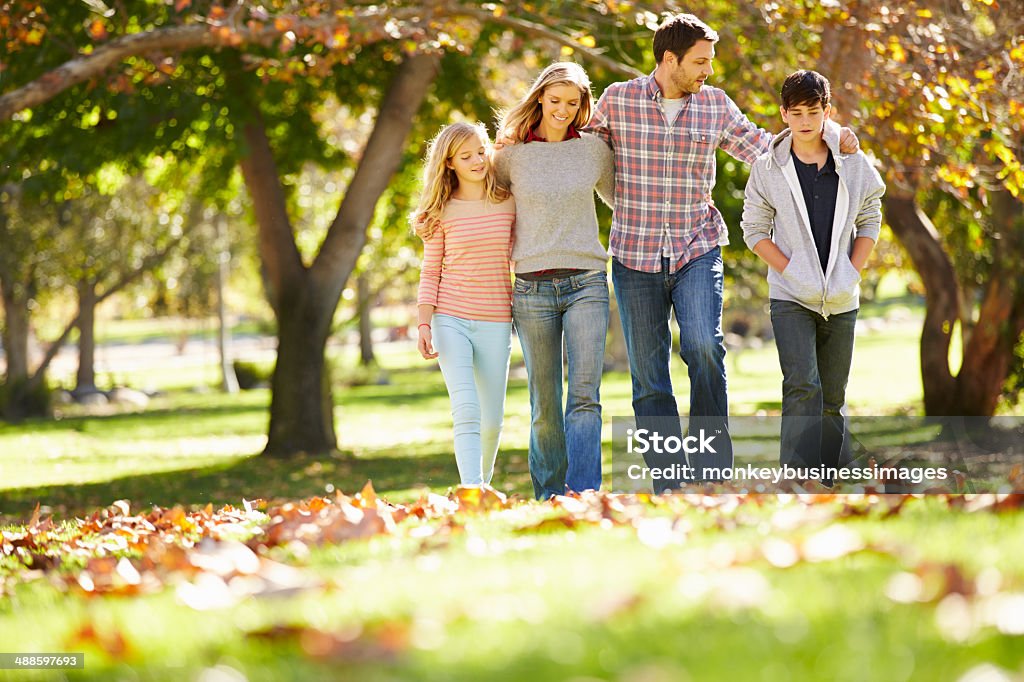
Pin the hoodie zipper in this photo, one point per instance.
(799, 198)
(837, 254)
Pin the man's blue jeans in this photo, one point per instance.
(565, 450)
(815, 355)
(694, 294)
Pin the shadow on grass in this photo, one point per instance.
(259, 476)
(161, 417)
(389, 394)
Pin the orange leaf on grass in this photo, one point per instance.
(367, 497)
(996, 502)
(479, 499)
(376, 642)
(315, 504)
(257, 504)
(431, 506)
(113, 643)
(551, 523)
(354, 523)
(942, 579)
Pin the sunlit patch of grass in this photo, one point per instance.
(495, 600)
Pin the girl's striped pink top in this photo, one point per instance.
(465, 269)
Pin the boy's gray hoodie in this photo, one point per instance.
(774, 208)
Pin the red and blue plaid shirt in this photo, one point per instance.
(664, 172)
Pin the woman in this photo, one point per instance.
(560, 293)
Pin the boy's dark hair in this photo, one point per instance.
(679, 33)
(806, 88)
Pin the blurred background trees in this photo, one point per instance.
(131, 130)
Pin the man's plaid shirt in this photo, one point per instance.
(664, 173)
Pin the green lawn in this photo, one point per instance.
(677, 591)
(195, 448)
(767, 588)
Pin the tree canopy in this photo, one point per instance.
(933, 88)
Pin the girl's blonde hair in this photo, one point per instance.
(518, 121)
(440, 181)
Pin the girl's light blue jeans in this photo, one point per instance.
(474, 359)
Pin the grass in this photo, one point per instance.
(194, 448)
(499, 597)
(494, 602)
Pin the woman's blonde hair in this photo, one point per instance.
(518, 121)
(440, 181)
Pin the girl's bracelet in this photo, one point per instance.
(423, 324)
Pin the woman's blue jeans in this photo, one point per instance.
(565, 449)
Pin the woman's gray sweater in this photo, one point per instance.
(553, 184)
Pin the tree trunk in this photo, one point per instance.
(988, 353)
(380, 159)
(19, 399)
(301, 405)
(364, 295)
(228, 380)
(942, 301)
(15, 334)
(304, 299)
(85, 381)
(987, 356)
(845, 57)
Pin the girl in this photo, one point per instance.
(465, 320)
(561, 288)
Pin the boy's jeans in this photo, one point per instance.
(694, 294)
(565, 451)
(474, 361)
(815, 355)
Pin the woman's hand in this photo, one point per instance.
(426, 343)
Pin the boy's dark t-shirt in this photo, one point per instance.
(820, 188)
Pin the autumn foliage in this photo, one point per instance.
(217, 557)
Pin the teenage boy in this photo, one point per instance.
(666, 234)
(813, 214)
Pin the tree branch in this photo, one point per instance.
(380, 159)
(278, 253)
(539, 31)
(81, 69)
(183, 38)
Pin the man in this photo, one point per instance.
(666, 232)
